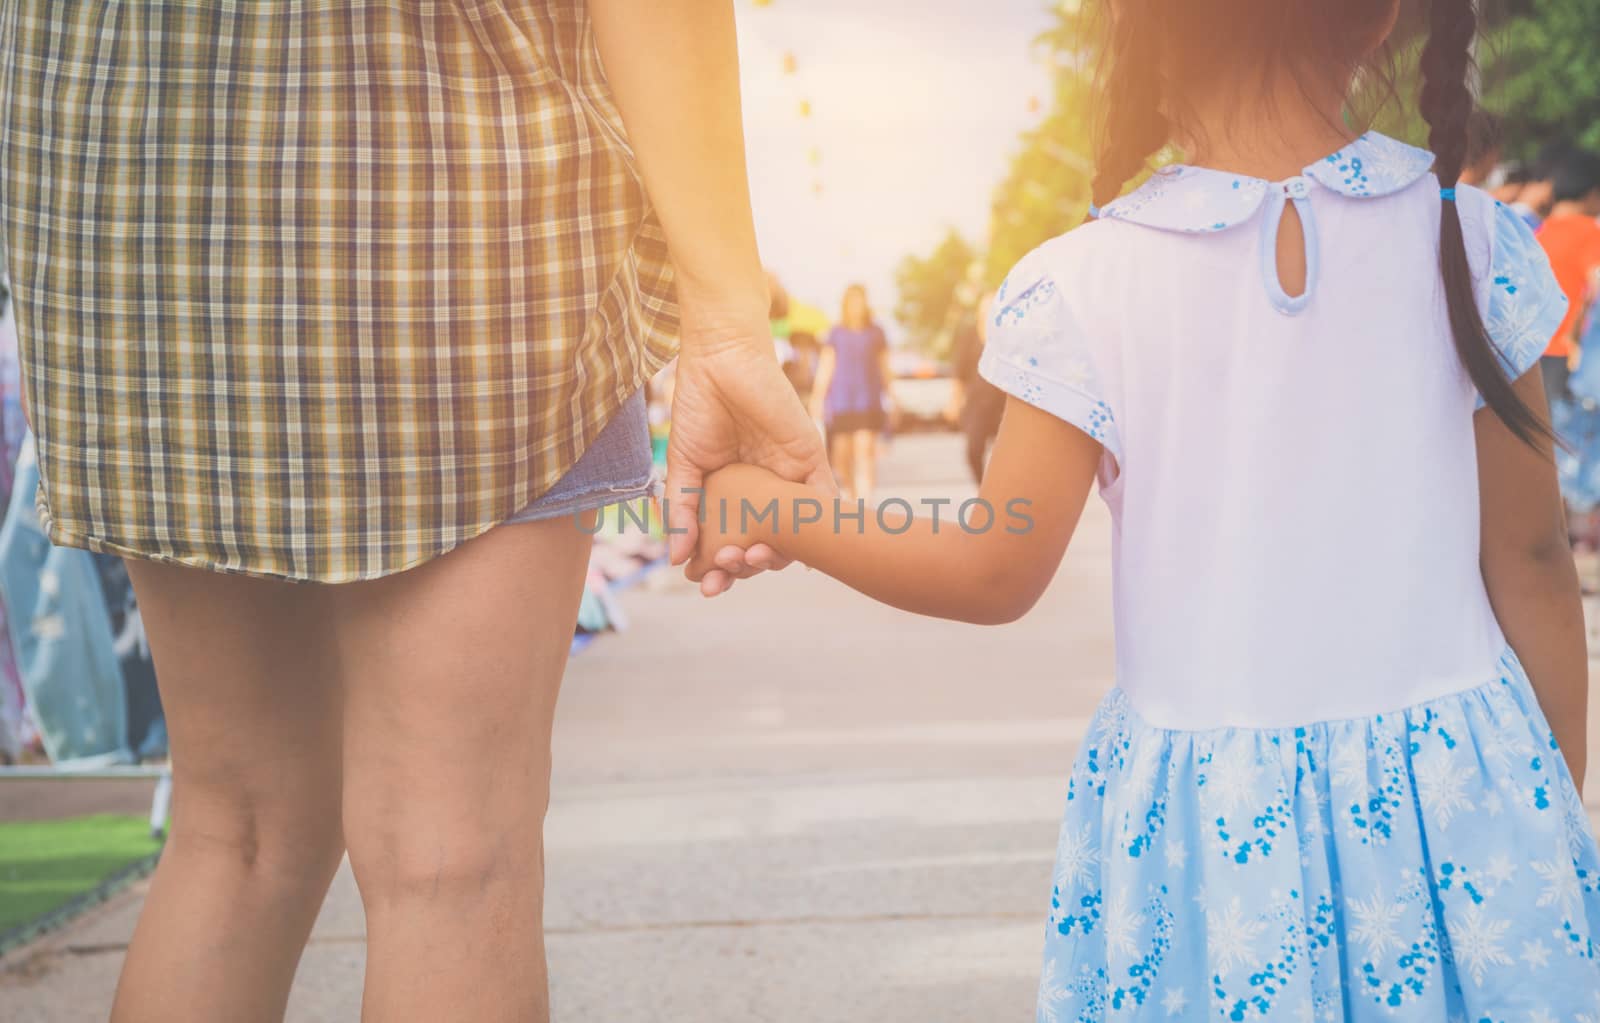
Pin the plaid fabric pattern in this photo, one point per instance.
(317, 289)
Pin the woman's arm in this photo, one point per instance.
(673, 67)
(1036, 486)
(819, 387)
(886, 374)
(1530, 575)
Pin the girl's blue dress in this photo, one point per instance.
(1369, 869)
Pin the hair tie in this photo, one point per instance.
(1094, 211)
(1448, 194)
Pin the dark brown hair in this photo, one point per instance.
(1154, 53)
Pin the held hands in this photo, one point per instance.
(732, 403)
(732, 524)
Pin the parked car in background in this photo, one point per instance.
(922, 389)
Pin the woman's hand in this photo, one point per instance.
(732, 403)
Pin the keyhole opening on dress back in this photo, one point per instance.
(1291, 252)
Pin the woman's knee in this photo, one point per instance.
(276, 840)
(418, 857)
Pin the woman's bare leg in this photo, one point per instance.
(252, 708)
(864, 445)
(451, 675)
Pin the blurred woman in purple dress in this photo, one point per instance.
(852, 393)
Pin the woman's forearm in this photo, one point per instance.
(673, 66)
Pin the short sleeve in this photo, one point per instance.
(1526, 305)
(1037, 353)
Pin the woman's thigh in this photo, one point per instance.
(252, 703)
(451, 673)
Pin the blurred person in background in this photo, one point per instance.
(1578, 422)
(1513, 177)
(1483, 149)
(976, 404)
(778, 318)
(1537, 192)
(852, 395)
(1570, 236)
(801, 369)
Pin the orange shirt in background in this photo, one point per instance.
(1572, 242)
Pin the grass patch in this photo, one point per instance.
(46, 864)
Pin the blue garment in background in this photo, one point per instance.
(147, 725)
(62, 636)
(1576, 419)
(858, 384)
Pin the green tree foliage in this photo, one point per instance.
(934, 292)
(1047, 190)
(1542, 74)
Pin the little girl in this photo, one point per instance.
(1336, 780)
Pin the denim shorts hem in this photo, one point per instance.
(585, 501)
(616, 467)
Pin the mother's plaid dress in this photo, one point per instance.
(317, 289)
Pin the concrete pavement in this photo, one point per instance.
(790, 804)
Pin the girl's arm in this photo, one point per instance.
(990, 573)
(1530, 574)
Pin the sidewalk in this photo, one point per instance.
(790, 804)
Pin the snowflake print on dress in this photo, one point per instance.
(1037, 353)
(1525, 302)
(1199, 200)
(1372, 165)
(1230, 781)
(1034, 297)
(1476, 940)
(1257, 994)
(1405, 908)
(1059, 993)
(1375, 923)
(1401, 945)
(1077, 857)
(1371, 813)
(1193, 200)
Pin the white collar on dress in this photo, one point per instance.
(1197, 200)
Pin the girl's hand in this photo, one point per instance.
(731, 529)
